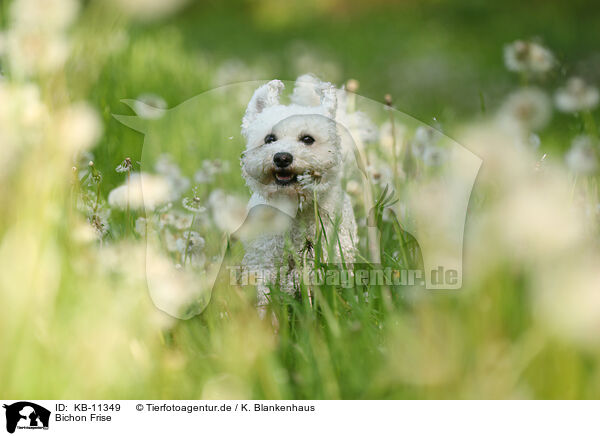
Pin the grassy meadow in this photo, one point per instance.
(84, 252)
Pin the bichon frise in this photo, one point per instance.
(294, 157)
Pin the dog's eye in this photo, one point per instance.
(307, 139)
(270, 138)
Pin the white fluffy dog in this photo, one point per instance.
(294, 157)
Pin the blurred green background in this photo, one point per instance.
(440, 60)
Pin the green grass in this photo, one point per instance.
(77, 320)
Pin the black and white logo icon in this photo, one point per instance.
(26, 415)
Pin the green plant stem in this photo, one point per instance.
(187, 242)
(590, 123)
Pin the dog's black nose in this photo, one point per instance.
(282, 159)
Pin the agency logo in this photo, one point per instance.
(26, 415)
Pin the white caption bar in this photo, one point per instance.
(299, 417)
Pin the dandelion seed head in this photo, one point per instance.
(582, 157)
(576, 96)
(434, 156)
(124, 166)
(50, 15)
(525, 110)
(227, 211)
(177, 181)
(31, 51)
(210, 169)
(142, 191)
(79, 127)
(526, 56)
(193, 204)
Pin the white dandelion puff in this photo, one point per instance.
(79, 127)
(193, 204)
(48, 15)
(228, 212)
(142, 191)
(210, 169)
(526, 56)
(582, 157)
(434, 156)
(194, 242)
(177, 181)
(576, 96)
(125, 166)
(526, 110)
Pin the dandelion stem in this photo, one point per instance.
(590, 124)
(316, 207)
(97, 198)
(394, 151)
(128, 193)
(187, 241)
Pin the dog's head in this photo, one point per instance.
(291, 149)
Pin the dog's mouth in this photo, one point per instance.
(284, 176)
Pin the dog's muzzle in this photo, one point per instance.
(281, 172)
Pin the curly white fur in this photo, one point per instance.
(314, 173)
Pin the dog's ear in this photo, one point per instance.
(307, 91)
(329, 99)
(265, 96)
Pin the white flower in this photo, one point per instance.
(177, 219)
(23, 118)
(434, 156)
(526, 110)
(524, 56)
(125, 166)
(79, 127)
(193, 240)
(49, 15)
(143, 191)
(193, 204)
(166, 167)
(582, 158)
(576, 96)
(209, 169)
(31, 51)
(425, 137)
(358, 123)
(380, 173)
(228, 211)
